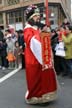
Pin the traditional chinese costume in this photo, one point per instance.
(41, 84)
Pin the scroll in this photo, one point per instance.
(46, 49)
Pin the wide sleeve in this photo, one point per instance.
(36, 49)
(31, 39)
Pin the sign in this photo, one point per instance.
(46, 49)
(19, 26)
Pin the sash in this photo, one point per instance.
(46, 49)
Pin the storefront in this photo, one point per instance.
(56, 15)
(16, 17)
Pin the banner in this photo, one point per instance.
(46, 49)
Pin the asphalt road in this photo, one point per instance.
(13, 89)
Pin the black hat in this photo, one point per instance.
(31, 11)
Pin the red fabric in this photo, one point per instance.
(60, 35)
(46, 49)
(38, 82)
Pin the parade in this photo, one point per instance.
(38, 53)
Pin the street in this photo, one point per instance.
(12, 91)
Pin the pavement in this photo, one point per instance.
(4, 72)
(13, 88)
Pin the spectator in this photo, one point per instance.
(66, 22)
(60, 52)
(10, 50)
(3, 54)
(17, 52)
(22, 46)
(68, 50)
(1, 35)
(1, 39)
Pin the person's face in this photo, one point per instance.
(0, 42)
(65, 20)
(6, 33)
(36, 18)
(62, 29)
(53, 33)
(58, 32)
(17, 44)
(67, 30)
(9, 38)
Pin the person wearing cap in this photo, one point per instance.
(10, 50)
(68, 51)
(41, 83)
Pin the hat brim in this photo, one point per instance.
(35, 14)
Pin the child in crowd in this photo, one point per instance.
(10, 51)
(11, 59)
(17, 52)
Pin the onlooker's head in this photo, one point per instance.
(68, 29)
(20, 32)
(11, 28)
(66, 22)
(16, 44)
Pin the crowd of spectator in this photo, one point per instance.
(11, 49)
(61, 39)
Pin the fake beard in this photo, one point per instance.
(37, 23)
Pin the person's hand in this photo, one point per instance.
(44, 28)
(44, 67)
(23, 53)
(0, 42)
(20, 47)
(19, 53)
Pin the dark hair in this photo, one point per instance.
(70, 27)
(53, 31)
(4, 40)
(20, 31)
(16, 42)
(8, 31)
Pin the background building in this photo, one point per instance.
(12, 11)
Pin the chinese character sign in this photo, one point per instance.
(46, 49)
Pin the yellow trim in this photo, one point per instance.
(45, 98)
(35, 14)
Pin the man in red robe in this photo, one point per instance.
(41, 83)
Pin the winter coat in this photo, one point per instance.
(3, 49)
(68, 45)
(21, 41)
(10, 46)
(1, 35)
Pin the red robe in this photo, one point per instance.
(41, 84)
